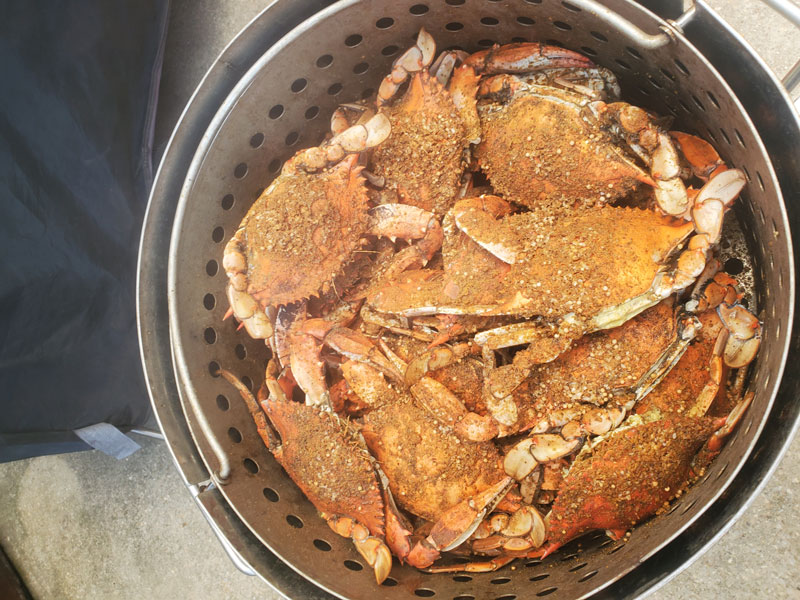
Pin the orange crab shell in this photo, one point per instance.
(429, 469)
(596, 368)
(544, 153)
(627, 479)
(302, 231)
(422, 158)
(321, 458)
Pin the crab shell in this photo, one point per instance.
(422, 160)
(319, 454)
(600, 265)
(596, 371)
(296, 237)
(544, 148)
(627, 478)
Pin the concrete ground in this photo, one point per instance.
(85, 526)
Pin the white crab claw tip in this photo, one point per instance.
(378, 129)
(410, 61)
(427, 45)
(725, 186)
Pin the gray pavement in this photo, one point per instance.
(85, 526)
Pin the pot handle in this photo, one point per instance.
(790, 11)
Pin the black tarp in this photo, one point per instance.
(78, 90)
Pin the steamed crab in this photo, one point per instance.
(548, 272)
(308, 224)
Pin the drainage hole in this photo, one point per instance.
(424, 592)
(633, 52)
(578, 567)
(324, 61)
(276, 111)
(209, 302)
(256, 140)
(248, 383)
(292, 138)
(533, 1)
(681, 67)
(212, 267)
(588, 576)
(533, 562)
(418, 9)
(622, 63)
(384, 23)
(361, 68)
(688, 507)
(389, 50)
(733, 266)
(322, 545)
(209, 335)
(539, 577)
(739, 138)
(352, 41)
(617, 549)
(655, 82)
(294, 521)
(486, 43)
(760, 181)
(250, 465)
(562, 26)
(598, 36)
(519, 40)
(389, 582)
(464, 597)
(490, 21)
(526, 21)
(335, 89)
(298, 85)
(507, 597)
(274, 166)
(311, 112)
(240, 170)
(270, 494)
(722, 470)
(235, 435)
(227, 202)
(500, 580)
(240, 351)
(218, 234)
(698, 103)
(462, 578)
(588, 51)
(455, 2)
(547, 591)
(725, 137)
(222, 402)
(454, 26)
(353, 565)
(570, 7)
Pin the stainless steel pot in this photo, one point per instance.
(660, 70)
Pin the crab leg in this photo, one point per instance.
(415, 59)
(525, 58)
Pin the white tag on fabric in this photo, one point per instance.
(108, 439)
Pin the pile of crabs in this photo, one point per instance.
(495, 314)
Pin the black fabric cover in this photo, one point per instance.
(78, 88)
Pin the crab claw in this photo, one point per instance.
(415, 59)
(377, 555)
(745, 339)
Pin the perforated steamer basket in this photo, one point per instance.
(282, 103)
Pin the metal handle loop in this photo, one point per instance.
(648, 41)
(791, 12)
